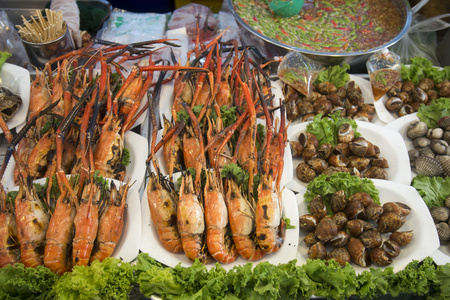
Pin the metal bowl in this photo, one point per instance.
(357, 60)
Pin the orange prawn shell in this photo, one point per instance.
(163, 210)
(86, 226)
(216, 219)
(31, 223)
(268, 217)
(57, 256)
(242, 224)
(109, 148)
(9, 248)
(111, 224)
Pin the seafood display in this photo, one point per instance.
(405, 97)
(326, 99)
(357, 230)
(9, 103)
(352, 153)
(430, 155)
(228, 203)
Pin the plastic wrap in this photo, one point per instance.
(299, 72)
(189, 15)
(10, 42)
(384, 71)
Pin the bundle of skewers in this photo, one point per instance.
(42, 29)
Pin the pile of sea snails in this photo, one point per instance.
(356, 156)
(326, 99)
(405, 98)
(356, 230)
(441, 218)
(431, 153)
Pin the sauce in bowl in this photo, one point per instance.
(336, 26)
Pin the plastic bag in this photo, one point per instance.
(188, 15)
(421, 40)
(384, 71)
(299, 72)
(10, 42)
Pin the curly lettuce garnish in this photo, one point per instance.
(327, 185)
(326, 129)
(423, 68)
(432, 189)
(430, 114)
(337, 75)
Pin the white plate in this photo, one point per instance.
(286, 176)
(391, 147)
(151, 244)
(16, 79)
(380, 106)
(425, 240)
(401, 125)
(128, 246)
(135, 143)
(366, 91)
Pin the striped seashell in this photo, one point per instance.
(444, 160)
(427, 151)
(416, 129)
(446, 136)
(421, 142)
(427, 166)
(443, 230)
(444, 122)
(447, 202)
(440, 214)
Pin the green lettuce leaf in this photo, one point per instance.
(430, 114)
(423, 68)
(327, 185)
(110, 279)
(432, 189)
(332, 280)
(18, 282)
(3, 57)
(337, 75)
(416, 278)
(326, 129)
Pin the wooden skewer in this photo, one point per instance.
(41, 29)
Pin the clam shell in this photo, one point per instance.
(392, 248)
(447, 202)
(380, 257)
(371, 239)
(310, 239)
(340, 255)
(421, 142)
(358, 252)
(402, 238)
(317, 251)
(389, 222)
(443, 230)
(340, 219)
(440, 214)
(439, 146)
(427, 166)
(308, 222)
(338, 201)
(444, 160)
(326, 229)
(444, 122)
(435, 133)
(416, 129)
(426, 151)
